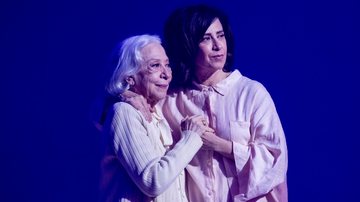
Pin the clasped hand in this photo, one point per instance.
(196, 123)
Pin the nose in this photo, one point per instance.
(166, 73)
(216, 44)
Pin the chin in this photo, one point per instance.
(162, 97)
(218, 65)
(159, 97)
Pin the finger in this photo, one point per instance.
(144, 108)
(202, 120)
(151, 109)
(147, 115)
(128, 95)
(207, 135)
(148, 112)
(184, 118)
(197, 117)
(209, 130)
(183, 123)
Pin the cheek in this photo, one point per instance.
(152, 78)
(142, 83)
(202, 50)
(225, 46)
(149, 82)
(201, 56)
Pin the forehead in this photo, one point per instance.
(215, 26)
(153, 51)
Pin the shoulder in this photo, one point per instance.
(125, 110)
(123, 106)
(244, 83)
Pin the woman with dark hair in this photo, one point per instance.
(245, 159)
(182, 36)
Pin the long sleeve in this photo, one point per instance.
(152, 171)
(261, 163)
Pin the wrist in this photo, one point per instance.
(224, 146)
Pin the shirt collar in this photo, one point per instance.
(223, 87)
(157, 116)
(165, 131)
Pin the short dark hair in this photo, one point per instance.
(183, 31)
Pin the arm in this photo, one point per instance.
(262, 161)
(149, 170)
(218, 144)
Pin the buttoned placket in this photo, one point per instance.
(183, 194)
(208, 94)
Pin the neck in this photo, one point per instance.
(152, 104)
(208, 78)
(134, 98)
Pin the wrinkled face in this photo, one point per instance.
(212, 48)
(153, 79)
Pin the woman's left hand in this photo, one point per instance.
(213, 142)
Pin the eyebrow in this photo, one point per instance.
(155, 60)
(218, 32)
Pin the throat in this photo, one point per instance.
(211, 79)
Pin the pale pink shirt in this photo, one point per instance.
(242, 111)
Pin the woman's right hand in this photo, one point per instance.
(197, 124)
(138, 102)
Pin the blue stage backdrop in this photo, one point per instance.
(55, 58)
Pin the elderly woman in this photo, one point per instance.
(141, 163)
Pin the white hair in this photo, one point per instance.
(130, 60)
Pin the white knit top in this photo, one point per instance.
(150, 167)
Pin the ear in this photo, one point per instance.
(130, 80)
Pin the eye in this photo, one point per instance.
(206, 38)
(155, 65)
(221, 35)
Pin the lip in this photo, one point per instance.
(218, 56)
(162, 85)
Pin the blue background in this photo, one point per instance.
(55, 58)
